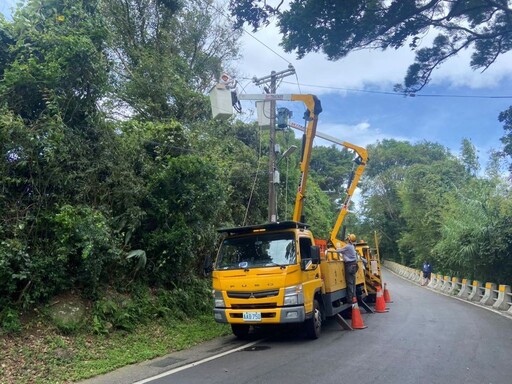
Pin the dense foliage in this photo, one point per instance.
(427, 204)
(113, 176)
(337, 28)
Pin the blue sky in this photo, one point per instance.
(363, 117)
(446, 111)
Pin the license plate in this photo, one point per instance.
(252, 316)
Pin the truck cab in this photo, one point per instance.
(268, 274)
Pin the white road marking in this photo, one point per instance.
(187, 366)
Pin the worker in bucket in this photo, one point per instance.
(350, 258)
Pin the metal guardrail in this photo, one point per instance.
(498, 297)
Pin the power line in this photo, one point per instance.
(409, 94)
(401, 94)
(265, 45)
(221, 12)
(298, 83)
(462, 96)
(346, 89)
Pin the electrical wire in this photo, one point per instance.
(406, 94)
(254, 182)
(298, 83)
(221, 12)
(265, 45)
(401, 94)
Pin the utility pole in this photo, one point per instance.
(273, 78)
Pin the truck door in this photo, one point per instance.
(310, 276)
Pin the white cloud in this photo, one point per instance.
(361, 134)
(457, 72)
(354, 71)
(375, 68)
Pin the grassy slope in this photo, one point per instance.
(40, 354)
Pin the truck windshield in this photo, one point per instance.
(265, 250)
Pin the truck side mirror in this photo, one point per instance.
(313, 261)
(207, 266)
(315, 254)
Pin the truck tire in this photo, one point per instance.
(314, 325)
(240, 330)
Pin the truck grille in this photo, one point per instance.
(254, 306)
(252, 295)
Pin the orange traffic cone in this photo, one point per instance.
(380, 304)
(387, 297)
(357, 320)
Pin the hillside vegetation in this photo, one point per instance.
(114, 178)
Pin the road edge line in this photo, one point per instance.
(196, 363)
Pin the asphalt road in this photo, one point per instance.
(426, 337)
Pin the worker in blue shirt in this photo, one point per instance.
(427, 273)
(350, 259)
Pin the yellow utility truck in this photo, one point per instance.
(274, 273)
(372, 273)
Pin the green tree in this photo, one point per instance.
(56, 60)
(423, 196)
(241, 152)
(338, 28)
(494, 167)
(476, 237)
(505, 117)
(165, 55)
(469, 157)
(384, 175)
(331, 168)
(56, 146)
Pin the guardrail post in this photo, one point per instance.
(503, 301)
(433, 280)
(465, 289)
(440, 282)
(446, 284)
(489, 294)
(454, 286)
(475, 291)
(500, 298)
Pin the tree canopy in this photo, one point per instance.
(112, 174)
(337, 28)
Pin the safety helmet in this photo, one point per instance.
(351, 237)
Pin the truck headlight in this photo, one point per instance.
(293, 295)
(218, 300)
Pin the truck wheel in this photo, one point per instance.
(240, 330)
(314, 325)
